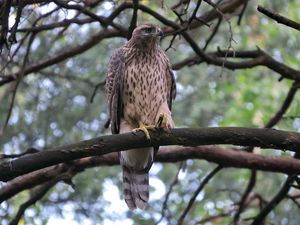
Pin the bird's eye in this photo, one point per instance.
(148, 30)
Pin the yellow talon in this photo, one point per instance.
(162, 120)
(161, 123)
(145, 129)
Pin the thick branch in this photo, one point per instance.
(261, 57)
(30, 180)
(215, 154)
(106, 33)
(272, 122)
(63, 23)
(257, 58)
(264, 138)
(225, 8)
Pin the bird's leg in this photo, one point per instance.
(144, 128)
(163, 121)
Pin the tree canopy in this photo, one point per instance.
(233, 157)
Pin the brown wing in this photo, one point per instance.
(114, 80)
(171, 85)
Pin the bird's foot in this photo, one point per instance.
(145, 130)
(163, 121)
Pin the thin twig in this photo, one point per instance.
(173, 183)
(258, 220)
(171, 42)
(199, 189)
(194, 12)
(216, 28)
(179, 3)
(100, 19)
(181, 21)
(274, 202)
(93, 40)
(133, 22)
(4, 23)
(19, 78)
(294, 200)
(286, 104)
(278, 18)
(12, 37)
(242, 12)
(96, 89)
(272, 122)
(241, 204)
(11, 56)
(37, 194)
(212, 218)
(215, 6)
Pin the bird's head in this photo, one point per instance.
(147, 32)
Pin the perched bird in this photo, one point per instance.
(140, 88)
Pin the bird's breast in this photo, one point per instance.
(144, 90)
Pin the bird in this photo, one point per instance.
(140, 87)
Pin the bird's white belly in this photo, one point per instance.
(137, 158)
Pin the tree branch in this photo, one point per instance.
(107, 33)
(63, 23)
(284, 107)
(259, 58)
(83, 10)
(168, 193)
(37, 194)
(12, 38)
(18, 80)
(278, 18)
(274, 202)
(225, 8)
(264, 138)
(272, 122)
(262, 58)
(133, 18)
(215, 154)
(199, 189)
(241, 203)
(5, 10)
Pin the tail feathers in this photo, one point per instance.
(136, 188)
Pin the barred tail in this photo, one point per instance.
(136, 188)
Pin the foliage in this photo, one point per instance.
(53, 107)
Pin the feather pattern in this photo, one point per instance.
(140, 86)
(114, 78)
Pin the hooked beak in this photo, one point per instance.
(160, 33)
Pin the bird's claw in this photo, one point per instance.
(145, 130)
(163, 121)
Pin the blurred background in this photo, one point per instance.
(55, 104)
